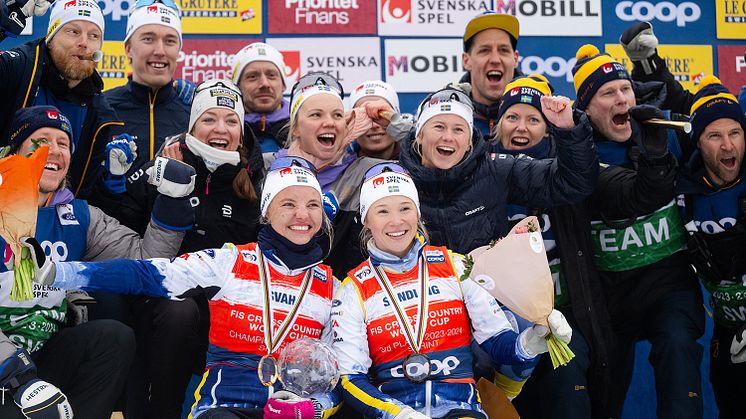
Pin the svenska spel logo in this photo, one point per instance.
(292, 65)
(396, 11)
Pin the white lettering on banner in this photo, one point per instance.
(652, 235)
(740, 63)
(686, 12)
(714, 227)
(437, 366)
(56, 251)
(735, 314)
(550, 66)
(115, 8)
(305, 13)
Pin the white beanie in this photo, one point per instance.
(386, 184)
(216, 93)
(315, 89)
(155, 14)
(258, 51)
(440, 104)
(285, 177)
(64, 12)
(375, 88)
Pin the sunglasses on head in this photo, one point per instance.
(168, 3)
(209, 84)
(447, 95)
(317, 78)
(290, 161)
(383, 168)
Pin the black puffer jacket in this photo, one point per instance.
(465, 207)
(220, 215)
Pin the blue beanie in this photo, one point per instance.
(712, 102)
(27, 120)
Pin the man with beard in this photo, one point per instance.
(259, 71)
(59, 71)
(649, 285)
(490, 59)
(714, 208)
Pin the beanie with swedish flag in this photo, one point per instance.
(591, 71)
(712, 102)
(528, 89)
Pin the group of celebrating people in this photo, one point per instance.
(189, 229)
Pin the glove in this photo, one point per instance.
(172, 177)
(400, 126)
(12, 19)
(409, 413)
(40, 400)
(533, 340)
(653, 139)
(35, 7)
(738, 346)
(17, 369)
(285, 404)
(44, 269)
(121, 152)
(639, 43)
(77, 306)
(185, 90)
(331, 205)
(462, 86)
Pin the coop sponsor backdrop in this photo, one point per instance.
(415, 44)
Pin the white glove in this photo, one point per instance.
(121, 152)
(40, 400)
(409, 413)
(44, 269)
(35, 7)
(738, 346)
(172, 177)
(533, 340)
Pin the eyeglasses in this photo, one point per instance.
(316, 78)
(446, 95)
(168, 3)
(290, 161)
(383, 168)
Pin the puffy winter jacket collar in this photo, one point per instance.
(143, 93)
(434, 182)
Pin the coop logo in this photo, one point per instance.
(683, 13)
(116, 8)
(396, 11)
(292, 65)
(553, 66)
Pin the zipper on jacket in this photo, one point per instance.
(264, 123)
(151, 102)
(207, 184)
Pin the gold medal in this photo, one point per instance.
(267, 370)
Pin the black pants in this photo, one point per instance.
(728, 379)
(166, 333)
(89, 363)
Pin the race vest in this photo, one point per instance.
(728, 303)
(61, 232)
(647, 240)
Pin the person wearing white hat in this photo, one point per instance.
(375, 142)
(259, 71)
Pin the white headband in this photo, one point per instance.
(155, 14)
(64, 12)
(308, 91)
(216, 93)
(387, 184)
(375, 88)
(438, 106)
(279, 179)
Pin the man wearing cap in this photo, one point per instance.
(490, 59)
(376, 142)
(714, 210)
(149, 104)
(259, 71)
(59, 70)
(638, 238)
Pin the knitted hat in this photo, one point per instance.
(27, 120)
(155, 14)
(375, 88)
(285, 177)
(712, 102)
(593, 70)
(446, 101)
(491, 20)
(258, 51)
(312, 84)
(384, 180)
(64, 12)
(528, 90)
(216, 93)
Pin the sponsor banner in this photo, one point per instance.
(427, 17)
(680, 13)
(731, 19)
(422, 65)
(554, 17)
(732, 66)
(322, 16)
(115, 66)
(221, 16)
(202, 59)
(687, 63)
(556, 68)
(350, 60)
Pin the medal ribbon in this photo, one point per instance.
(414, 337)
(264, 277)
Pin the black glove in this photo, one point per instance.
(639, 43)
(12, 19)
(652, 139)
(44, 269)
